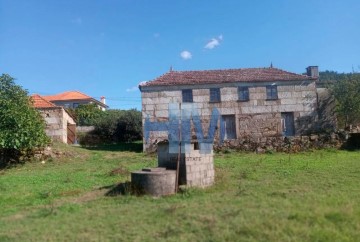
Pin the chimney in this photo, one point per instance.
(102, 99)
(313, 71)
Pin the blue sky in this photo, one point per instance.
(105, 48)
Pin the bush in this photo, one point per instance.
(115, 126)
(347, 94)
(22, 129)
(86, 114)
(129, 126)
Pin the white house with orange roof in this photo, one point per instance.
(72, 99)
(60, 126)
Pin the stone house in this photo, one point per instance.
(253, 103)
(72, 99)
(60, 126)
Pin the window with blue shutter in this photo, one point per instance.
(243, 93)
(187, 96)
(215, 96)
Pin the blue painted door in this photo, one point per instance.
(230, 126)
(287, 123)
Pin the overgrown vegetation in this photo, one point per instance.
(310, 196)
(86, 114)
(22, 129)
(115, 126)
(347, 95)
(325, 76)
(346, 90)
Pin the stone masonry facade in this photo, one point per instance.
(278, 103)
(57, 121)
(256, 118)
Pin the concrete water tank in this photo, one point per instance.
(154, 181)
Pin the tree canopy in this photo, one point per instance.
(115, 126)
(86, 114)
(346, 91)
(22, 128)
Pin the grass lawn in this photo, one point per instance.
(312, 196)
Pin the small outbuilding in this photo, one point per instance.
(60, 126)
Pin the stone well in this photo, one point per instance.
(196, 169)
(196, 166)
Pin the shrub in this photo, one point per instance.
(22, 129)
(129, 126)
(115, 126)
(86, 114)
(347, 94)
(105, 127)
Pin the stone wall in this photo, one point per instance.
(57, 120)
(196, 168)
(257, 117)
(284, 144)
(85, 129)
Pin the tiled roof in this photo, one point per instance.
(40, 102)
(70, 95)
(225, 76)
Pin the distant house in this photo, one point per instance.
(256, 103)
(60, 126)
(72, 99)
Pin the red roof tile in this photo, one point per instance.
(70, 95)
(40, 102)
(225, 76)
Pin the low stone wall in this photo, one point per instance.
(284, 144)
(84, 129)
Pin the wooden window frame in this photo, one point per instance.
(187, 96)
(243, 94)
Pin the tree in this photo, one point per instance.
(129, 127)
(346, 91)
(115, 126)
(86, 114)
(22, 129)
(331, 76)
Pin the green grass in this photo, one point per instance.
(310, 196)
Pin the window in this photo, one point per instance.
(187, 96)
(243, 93)
(271, 92)
(215, 95)
(75, 105)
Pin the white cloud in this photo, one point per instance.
(186, 55)
(132, 89)
(213, 42)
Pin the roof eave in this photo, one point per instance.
(149, 87)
